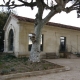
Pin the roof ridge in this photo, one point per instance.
(21, 18)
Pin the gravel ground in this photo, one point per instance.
(73, 74)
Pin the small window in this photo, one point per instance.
(30, 43)
(41, 46)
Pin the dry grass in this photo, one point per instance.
(10, 64)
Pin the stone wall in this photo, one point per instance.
(51, 40)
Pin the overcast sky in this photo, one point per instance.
(63, 18)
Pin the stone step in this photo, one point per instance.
(51, 55)
(73, 56)
(69, 55)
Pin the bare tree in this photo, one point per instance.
(40, 21)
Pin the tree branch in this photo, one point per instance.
(40, 11)
(31, 4)
(40, 8)
(62, 2)
(48, 17)
(16, 6)
(13, 6)
(47, 7)
(69, 9)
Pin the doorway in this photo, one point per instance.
(62, 44)
(10, 40)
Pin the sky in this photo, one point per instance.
(63, 18)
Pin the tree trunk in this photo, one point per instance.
(35, 50)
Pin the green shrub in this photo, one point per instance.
(44, 67)
(0, 63)
(13, 69)
(8, 57)
(4, 71)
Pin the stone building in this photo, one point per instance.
(55, 37)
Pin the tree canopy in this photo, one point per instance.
(57, 5)
(3, 18)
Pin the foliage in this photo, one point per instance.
(3, 18)
(58, 5)
(11, 57)
(4, 71)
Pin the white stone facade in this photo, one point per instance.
(22, 27)
(11, 24)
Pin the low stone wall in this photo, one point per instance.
(28, 74)
(51, 55)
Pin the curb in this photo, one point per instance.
(34, 73)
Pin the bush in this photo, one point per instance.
(12, 69)
(8, 57)
(4, 71)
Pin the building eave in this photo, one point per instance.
(20, 18)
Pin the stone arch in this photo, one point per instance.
(15, 43)
(7, 34)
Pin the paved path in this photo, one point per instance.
(73, 74)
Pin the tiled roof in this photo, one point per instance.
(49, 23)
(24, 18)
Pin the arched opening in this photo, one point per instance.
(10, 40)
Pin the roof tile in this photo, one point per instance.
(49, 23)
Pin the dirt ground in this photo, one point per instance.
(9, 64)
(73, 74)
